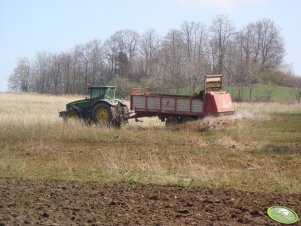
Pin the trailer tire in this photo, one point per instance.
(171, 121)
(187, 119)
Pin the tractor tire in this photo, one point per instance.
(172, 121)
(116, 117)
(72, 114)
(120, 115)
(102, 114)
(125, 114)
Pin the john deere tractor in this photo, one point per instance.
(101, 107)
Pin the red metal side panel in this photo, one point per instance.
(210, 106)
(167, 104)
(223, 102)
(137, 91)
(218, 102)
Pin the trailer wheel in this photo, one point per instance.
(187, 119)
(102, 114)
(171, 121)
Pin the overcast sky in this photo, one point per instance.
(31, 26)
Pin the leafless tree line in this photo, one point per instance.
(253, 54)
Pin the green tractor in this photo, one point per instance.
(101, 108)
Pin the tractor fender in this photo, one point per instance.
(109, 103)
(121, 102)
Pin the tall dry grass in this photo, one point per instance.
(32, 108)
(267, 107)
(239, 151)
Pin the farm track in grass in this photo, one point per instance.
(216, 171)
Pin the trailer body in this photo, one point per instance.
(212, 101)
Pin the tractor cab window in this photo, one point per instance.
(110, 93)
(97, 93)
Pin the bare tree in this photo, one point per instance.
(149, 44)
(267, 45)
(253, 54)
(55, 74)
(256, 55)
(85, 52)
(19, 79)
(111, 52)
(66, 61)
(222, 32)
(76, 69)
(41, 72)
(189, 29)
(172, 58)
(96, 63)
(121, 48)
(195, 52)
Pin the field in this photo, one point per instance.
(253, 156)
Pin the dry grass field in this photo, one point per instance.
(257, 149)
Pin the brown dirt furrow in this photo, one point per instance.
(41, 202)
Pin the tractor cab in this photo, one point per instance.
(100, 107)
(102, 92)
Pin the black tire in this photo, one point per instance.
(102, 114)
(120, 114)
(125, 114)
(72, 114)
(116, 116)
(172, 121)
(187, 119)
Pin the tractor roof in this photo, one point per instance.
(100, 87)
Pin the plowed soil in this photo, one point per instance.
(40, 202)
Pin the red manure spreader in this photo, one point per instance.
(174, 109)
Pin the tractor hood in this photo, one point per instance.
(78, 103)
(85, 103)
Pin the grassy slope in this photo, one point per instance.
(257, 149)
(259, 92)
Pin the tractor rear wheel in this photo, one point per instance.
(102, 114)
(120, 115)
(125, 114)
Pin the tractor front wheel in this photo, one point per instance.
(102, 114)
(72, 114)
